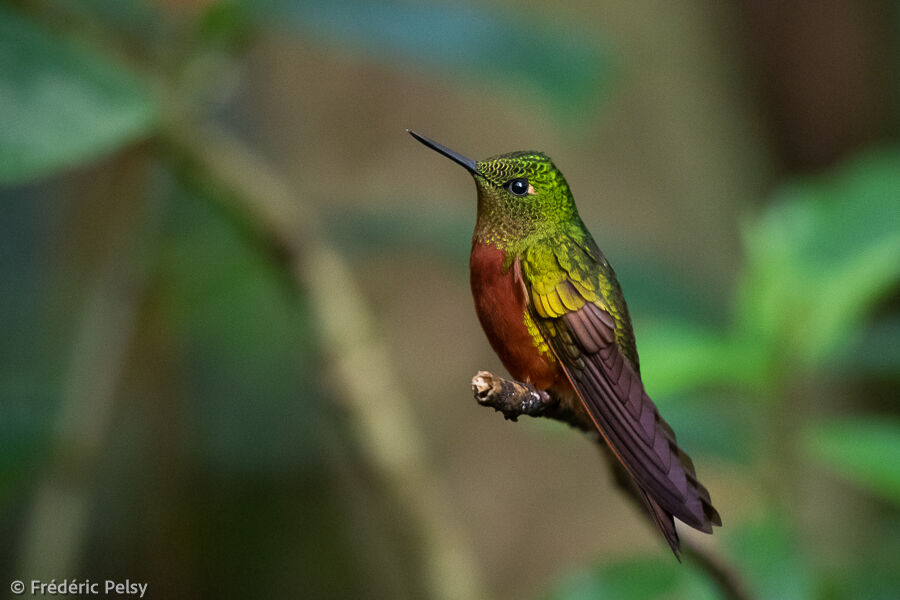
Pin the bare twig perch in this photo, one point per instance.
(515, 398)
(512, 398)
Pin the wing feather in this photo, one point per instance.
(581, 313)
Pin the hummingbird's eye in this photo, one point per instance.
(518, 187)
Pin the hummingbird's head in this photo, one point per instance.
(519, 193)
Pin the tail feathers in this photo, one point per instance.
(664, 522)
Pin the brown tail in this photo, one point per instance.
(663, 520)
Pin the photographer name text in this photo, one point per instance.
(75, 587)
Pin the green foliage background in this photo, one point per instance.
(170, 410)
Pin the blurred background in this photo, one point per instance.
(238, 335)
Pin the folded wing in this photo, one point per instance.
(576, 302)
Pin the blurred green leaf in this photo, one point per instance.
(871, 584)
(866, 451)
(563, 63)
(771, 561)
(62, 103)
(226, 21)
(869, 570)
(637, 579)
(821, 256)
(678, 356)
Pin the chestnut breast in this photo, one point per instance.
(500, 304)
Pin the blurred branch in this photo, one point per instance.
(54, 533)
(378, 409)
(515, 398)
(723, 574)
(360, 373)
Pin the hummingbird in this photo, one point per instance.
(554, 313)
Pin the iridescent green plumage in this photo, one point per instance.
(553, 311)
(560, 258)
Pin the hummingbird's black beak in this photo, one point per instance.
(468, 163)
